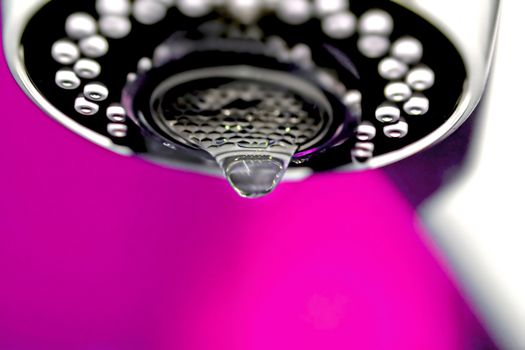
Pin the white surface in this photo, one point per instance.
(480, 220)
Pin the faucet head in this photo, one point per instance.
(249, 90)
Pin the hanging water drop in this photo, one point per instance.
(254, 176)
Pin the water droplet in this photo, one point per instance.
(398, 92)
(96, 91)
(113, 7)
(373, 46)
(254, 166)
(391, 68)
(67, 79)
(94, 46)
(376, 22)
(118, 130)
(144, 65)
(80, 25)
(245, 11)
(408, 50)
(115, 27)
(85, 107)
(363, 151)
(421, 78)
(388, 113)
(194, 8)
(65, 52)
(340, 25)
(398, 130)
(324, 8)
(149, 11)
(417, 105)
(366, 131)
(87, 69)
(255, 175)
(116, 113)
(294, 11)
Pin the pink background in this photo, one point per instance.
(101, 252)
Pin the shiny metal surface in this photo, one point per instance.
(477, 58)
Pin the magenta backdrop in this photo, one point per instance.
(101, 252)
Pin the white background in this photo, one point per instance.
(479, 220)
